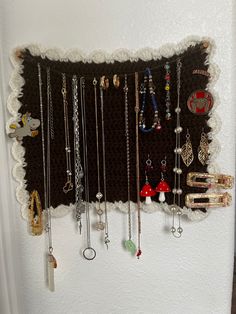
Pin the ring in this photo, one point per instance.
(87, 251)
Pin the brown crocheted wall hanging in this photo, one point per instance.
(156, 145)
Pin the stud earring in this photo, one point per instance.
(116, 81)
(187, 151)
(147, 190)
(162, 186)
(203, 149)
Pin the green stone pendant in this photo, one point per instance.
(130, 246)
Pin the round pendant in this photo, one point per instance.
(200, 102)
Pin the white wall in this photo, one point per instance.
(190, 275)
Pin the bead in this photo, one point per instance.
(175, 169)
(177, 110)
(179, 212)
(172, 208)
(173, 229)
(168, 116)
(174, 191)
(99, 195)
(179, 171)
(167, 77)
(179, 191)
(180, 230)
(178, 150)
(167, 87)
(158, 127)
(167, 66)
(179, 129)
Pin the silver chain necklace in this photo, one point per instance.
(51, 261)
(100, 225)
(77, 160)
(106, 239)
(68, 185)
(129, 244)
(175, 208)
(89, 253)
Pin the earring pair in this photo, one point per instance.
(203, 150)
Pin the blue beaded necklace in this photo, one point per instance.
(143, 90)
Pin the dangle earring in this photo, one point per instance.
(167, 89)
(203, 149)
(187, 151)
(147, 190)
(162, 186)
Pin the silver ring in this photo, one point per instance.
(91, 250)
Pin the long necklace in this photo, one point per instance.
(100, 225)
(129, 244)
(68, 185)
(89, 253)
(106, 239)
(51, 261)
(175, 208)
(139, 252)
(77, 160)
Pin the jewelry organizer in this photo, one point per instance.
(122, 131)
(157, 145)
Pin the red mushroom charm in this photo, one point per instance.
(147, 192)
(162, 188)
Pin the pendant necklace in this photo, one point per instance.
(100, 225)
(139, 252)
(89, 253)
(129, 244)
(51, 261)
(79, 209)
(177, 191)
(106, 239)
(68, 185)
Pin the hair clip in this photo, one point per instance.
(207, 180)
(28, 129)
(116, 81)
(204, 200)
(201, 72)
(35, 214)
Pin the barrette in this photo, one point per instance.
(204, 200)
(35, 214)
(207, 180)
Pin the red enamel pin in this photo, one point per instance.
(200, 102)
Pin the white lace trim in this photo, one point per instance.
(99, 56)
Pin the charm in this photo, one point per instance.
(187, 151)
(139, 253)
(116, 81)
(130, 246)
(104, 82)
(35, 214)
(52, 264)
(203, 149)
(163, 186)
(200, 102)
(147, 190)
(201, 72)
(28, 129)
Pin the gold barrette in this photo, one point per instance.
(208, 181)
(116, 81)
(35, 214)
(204, 200)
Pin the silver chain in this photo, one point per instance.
(177, 171)
(68, 185)
(106, 239)
(127, 152)
(46, 165)
(100, 225)
(77, 160)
